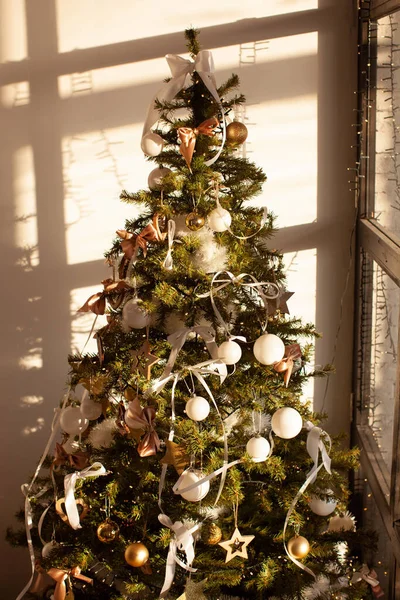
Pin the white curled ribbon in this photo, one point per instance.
(168, 262)
(182, 541)
(315, 445)
(70, 480)
(180, 69)
(259, 286)
(365, 574)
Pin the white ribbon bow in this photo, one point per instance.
(183, 541)
(315, 444)
(70, 480)
(168, 262)
(180, 69)
(365, 574)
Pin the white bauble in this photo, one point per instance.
(156, 176)
(48, 548)
(322, 506)
(269, 349)
(197, 408)
(102, 435)
(91, 410)
(72, 421)
(286, 422)
(230, 352)
(152, 144)
(258, 448)
(189, 477)
(219, 219)
(134, 316)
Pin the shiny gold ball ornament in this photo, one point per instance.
(298, 546)
(211, 534)
(108, 531)
(236, 133)
(194, 221)
(136, 554)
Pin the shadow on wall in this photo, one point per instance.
(35, 320)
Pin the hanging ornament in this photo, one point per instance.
(197, 408)
(143, 360)
(60, 504)
(108, 531)
(175, 455)
(268, 349)
(219, 219)
(236, 133)
(279, 303)
(72, 421)
(133, 316)
(237, 545)
(258, 448)
(230, 352)
(194, 221)
(298, 546)
(136, 554)
(323, 506)
(211, 534)
(48, 548)
(286, 422)
(91, 410)
(346, 522)
(193, 590)
(156, 176)
(152, 144)
(188, 478)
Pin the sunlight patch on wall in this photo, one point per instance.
(13, 42)
(26, 235)
(29, 429)
(15, 94)
(82, 322)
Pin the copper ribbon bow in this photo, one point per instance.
(131, 242)
(79, 460)
(188, 137)
(61, 576)
(143, 418)
(286, 364)
(97, 302)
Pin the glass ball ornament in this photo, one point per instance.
(258, 448)
(197, 408)
(72, 421)
(152, 144)
(194, 221)
(286, 422)
(219, 220)
(269, 349)
(108, 531)
(134, 316)
(136, 554)
(91, 410)
(298, 546)
(236, 133)
(211, 534)
(323, 506)
(189, 477)
(230, 352)
(156, 176)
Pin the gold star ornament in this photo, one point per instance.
(193, 591)
(143, 360)
(175, 455)
(237, 545)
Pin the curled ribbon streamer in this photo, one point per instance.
(314, 446)
(286, 364)
(168, 262)
(70, 480)
(144, 418)
(180, 69)
(60, 578)
(188, 137)
(182, 541)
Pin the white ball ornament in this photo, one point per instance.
(230, 352)
(72, 421)
(322, 506)
(286, 422)
(156, 176)
(269, 349)
(134, 316)
(48, 548)
(197, 408)
(189, 477)
(219, 219)
(152, 144)
(258, 448)
(91, 410)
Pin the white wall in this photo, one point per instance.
(69, 143)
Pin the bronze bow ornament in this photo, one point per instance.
(79, 460)
(97, 302)
(143, 418)
(131, 242)
(188, 137)
(60, 577)
(285, 365)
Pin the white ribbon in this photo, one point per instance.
(180, 69)
(315, 444)
(364, 574)
(70, 480)
(183, 541)
(168, 262)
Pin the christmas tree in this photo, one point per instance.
(189, 465)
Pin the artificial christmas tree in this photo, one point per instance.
(189, 466)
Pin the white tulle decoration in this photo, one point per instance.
(210, 257)
(102, 435)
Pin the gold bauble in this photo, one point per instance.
(236, 133)
(194, 221)
(108, 531)
(211, 534)
(136, 554)
(298, 546)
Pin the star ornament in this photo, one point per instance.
(193, 591)
(143, 360)
(237, 545)
(280, 303)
